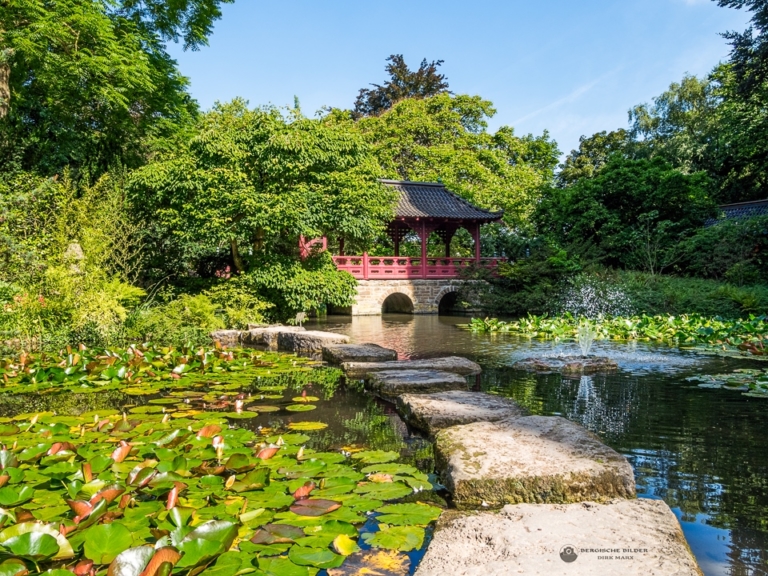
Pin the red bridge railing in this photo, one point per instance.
(393, 267)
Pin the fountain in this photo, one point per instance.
(586, 334)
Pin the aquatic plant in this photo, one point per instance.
(749, 381)
(168, 486)
(749, 336)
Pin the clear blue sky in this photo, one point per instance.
(572, 67)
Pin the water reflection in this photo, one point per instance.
(705, 452)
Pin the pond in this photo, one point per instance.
(703, 451)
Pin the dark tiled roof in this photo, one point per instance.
(740, 211)
(433, 200)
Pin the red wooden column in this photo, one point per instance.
(424, 238)
(476, 237)
(365, 265)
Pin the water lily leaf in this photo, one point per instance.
(375, 456)
(10, 496)
(221, 531)
(403, 538)
(316, 557)
(336, 527)
(198, 551)
(389, 491)
(264, 408)
(307, 426)
(300, 407)
(239, 463)
(65, 548)
(253, 480)
(314, 507)
(9, 429)
(209, 431)
(344, 545)
(228, 564)
(277, 534)
(241, 415)
(36, 546)
(105, 541)
(13, 567)
(306, 399)
(282, 566)
(8, 459)
(268, 452)
(416, 514)
(304, 490)
(132, 562)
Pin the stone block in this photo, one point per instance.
(226, 337)
(533, 459)
(268, 335)
(308, 340)
(392, 383)
(455, 364)
(644, 537)
(338, 353)
(433, 412)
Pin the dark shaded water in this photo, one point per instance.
(704, 452)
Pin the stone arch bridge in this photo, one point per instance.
(408, 296)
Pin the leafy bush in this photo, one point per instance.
(183, 320)
(238, 305)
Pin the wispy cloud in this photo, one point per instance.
(574, 95)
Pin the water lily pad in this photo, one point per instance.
(409, 514)
(316, 557)
(241, 415)
(388, 491)
(376, 456)
(300, 407)
(305, 399)
(307, 426)
(35, 546)
(314, 507)
(105, 541)
(403, 538)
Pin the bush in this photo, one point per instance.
(183, 320)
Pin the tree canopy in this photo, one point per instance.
(403, 83)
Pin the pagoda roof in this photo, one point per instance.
(740, 211)
(434, 200)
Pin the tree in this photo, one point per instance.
(626, 208)
(592, 155)
(403, 83)
(749, 54)
(88, 83)
(445, 138)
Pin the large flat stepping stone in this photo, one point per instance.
(393, 383)
(338, 353)
(455, 364)
(308, 340)
(533, 459)
(433, 412)
(226, 337)
(528, 539)
(267, 335)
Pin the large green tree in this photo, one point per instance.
(446, 138)
(88, 83)
(634, 211)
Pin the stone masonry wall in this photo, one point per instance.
(425, 294)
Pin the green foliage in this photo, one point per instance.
(179, 321)
(445, 138)
(238, 304)
(633, 211)
(90, 82)
(670, 329)
(403, 83)
(593, 153)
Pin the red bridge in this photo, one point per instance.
(423, 208)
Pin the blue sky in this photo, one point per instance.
(572, 67)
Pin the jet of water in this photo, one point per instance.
(586, 335)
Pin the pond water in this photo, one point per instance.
(704, 452)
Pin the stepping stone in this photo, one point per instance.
(392, 383)
(529, 539)
(533, 459)
(338, 353)
(455, 364)
(567, 365)
(433, 412)
(308, 340)
(226, 337)
(267, 335)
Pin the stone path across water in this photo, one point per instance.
(567, 500)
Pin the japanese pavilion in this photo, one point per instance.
(423, 207)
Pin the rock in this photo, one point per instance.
(567, 365)
(433, 412)
(226, 337)
(338, 353)
(267, 335)
(532, 459)
(455, 364)
(391, 383)
(308, 340)
(528, 539)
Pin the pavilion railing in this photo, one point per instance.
(367, 267)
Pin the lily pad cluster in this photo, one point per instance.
(749, 381)
(145, 368)
(139, 493)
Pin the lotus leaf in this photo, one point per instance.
(403, 538)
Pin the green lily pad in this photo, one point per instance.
(300, 407)
(403, 538)
(316, 557)
(105, 541)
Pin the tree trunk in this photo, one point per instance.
(236, 258)
(258, 240)
(5, 84)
